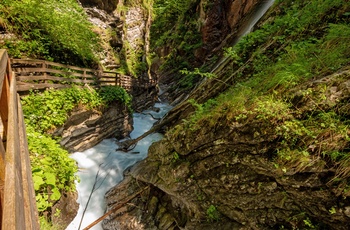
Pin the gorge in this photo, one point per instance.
(252, 160)
(258, 135)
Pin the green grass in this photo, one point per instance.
(307, 40)
(47, 29)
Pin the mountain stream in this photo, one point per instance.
(102, 167)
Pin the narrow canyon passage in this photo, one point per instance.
(102, 167)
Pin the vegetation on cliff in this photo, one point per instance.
(176, 26)
(52, 30)
(273, 67)
(269, 82)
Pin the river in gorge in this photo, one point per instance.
(102, 167)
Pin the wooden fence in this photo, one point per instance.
(34, 74)
(17, 197)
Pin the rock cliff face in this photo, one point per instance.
(221, 174)
(221, 19)
(220, 23)
(223, 171)
(124, 29)
(86, 128)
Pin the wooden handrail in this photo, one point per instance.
(35, 74)
(18, 206)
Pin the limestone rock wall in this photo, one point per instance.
(220, 19)
(124, 30)
(86, 128)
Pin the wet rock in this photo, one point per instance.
(65, 210)
(86, 128)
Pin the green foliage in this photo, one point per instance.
(53, 170)
(197, 71)
(307, 39)
(133, 63)
(176, 157)
(176, 25)
(308, 223)
(52, 107)
(47, 225)
(54, 30)
(189, 78)
(109, 94)
(212, 214)
(332, 211)
(203, 112)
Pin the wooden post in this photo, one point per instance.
(14, 217)
(84, 75)
(44, 67)
(98, 77)
(4, 105)
(2, 175)
(5, 71)
(30, 209)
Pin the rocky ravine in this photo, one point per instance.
(224, 172)
(220, 176)
(123, 27)
(220, 23)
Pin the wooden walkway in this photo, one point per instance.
(17, 197)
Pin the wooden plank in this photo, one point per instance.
(27, 87)
(4, 105)
(109, 77)
(3, 65)
(13, 218)
(21, 71)
(69, 73)
(108, 71)
(2, 175)
(52, 78)
(70, 67)
(30, 209)
(103, 74)
(36, 61)
(4, 115)
(26, 61)
(106, 81)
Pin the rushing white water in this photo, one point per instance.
(104, 165)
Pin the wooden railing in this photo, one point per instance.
(34, 74)
(17, 198)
